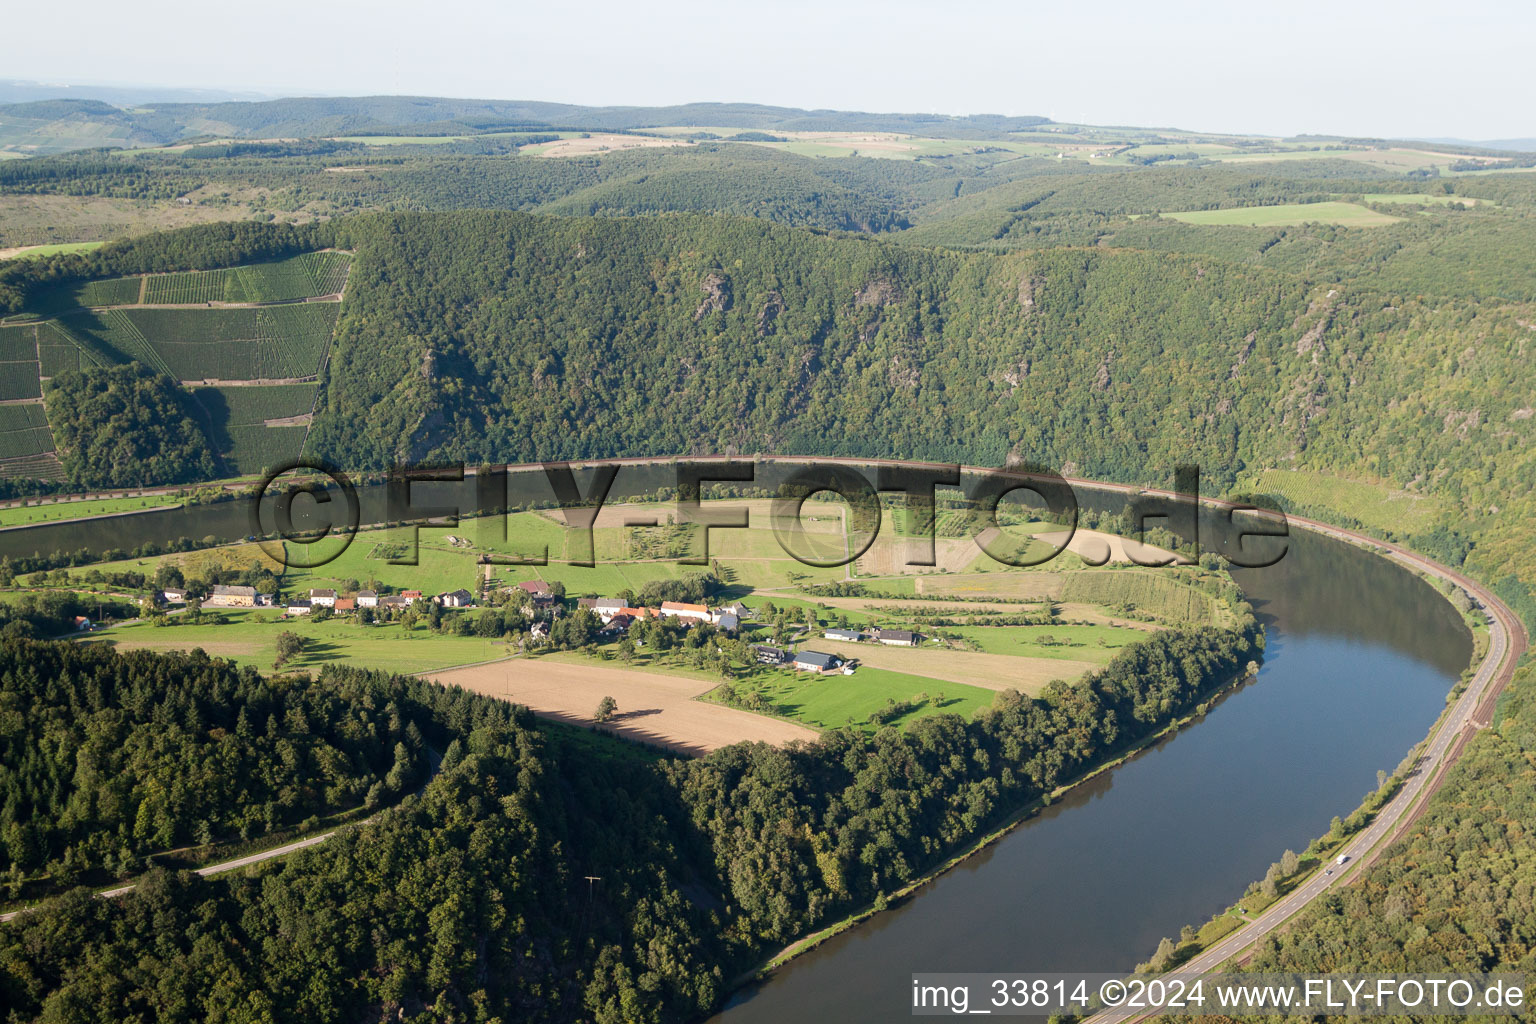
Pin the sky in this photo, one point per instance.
(1408, 68)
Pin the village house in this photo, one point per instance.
(299, 606)
(322, 598)
(617, 625)
(607, 607)
(82, 624)
(678, 610)
(393, 602)
(460, 598)
(898, 637)
(589, 603)
(367, 599)
(728, 623)
(173, 596)
(345, 605)
(815, 661)
(851, 635)
(767, 655)
(411, 596)
(736, 608)
(539, 630)
(232, 597)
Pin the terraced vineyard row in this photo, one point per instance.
(299, 277)
(24, 431)
(204, 344)
(239, 417)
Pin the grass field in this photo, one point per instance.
(47, 510)
(1343, 214)
(250, 638)
(829, 702)
(1075, 643)
(1378, 506)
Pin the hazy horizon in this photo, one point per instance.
(1311, 69)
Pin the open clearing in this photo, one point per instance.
(988, 671)
(653, 708)
(600, 142)
(1343, 214)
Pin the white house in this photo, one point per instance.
(322, 598)
(676, 609)
(367, 599)
(299, 606)
(607, 607)
(852, 635)
(455, 599)
(173, 596)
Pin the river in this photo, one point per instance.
(1361, 655)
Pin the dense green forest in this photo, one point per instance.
(105, 758)
(122, 426)
(468, 902)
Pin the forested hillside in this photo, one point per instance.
(470, 900)
(105, 758)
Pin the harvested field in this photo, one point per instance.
(653, 708)
(989, 671)
(1096, 548)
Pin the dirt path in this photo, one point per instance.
(653, 708)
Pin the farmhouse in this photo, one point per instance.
(607, 607)
(232, 597)
(173, 596)
(728, 623)
(539, 630)
(299, 606)
(853, 635)
(770, 655)
(815, 661)
(393, 602)
(616, 625)
(322, 598)
(676, 609)
(411, 596)
(455, 599)
(345, 605)
(367, 599)
(898, 637)
(736, 608)
(82, 623)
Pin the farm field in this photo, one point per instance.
(653, 708)
(1343, 214)
(1096, 643)
(1378, 506)
(1154, 591)
(30, 251)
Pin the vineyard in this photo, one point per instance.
(24, 431)
(1153, 592)
(60, 352)
(300, 277)
(239, 414)
(1374, 505)
(210, 344)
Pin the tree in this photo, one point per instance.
(1289, 863)
(289, 646)
(605, 709)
